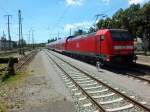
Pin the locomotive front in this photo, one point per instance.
(122, 46)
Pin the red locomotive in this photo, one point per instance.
(105, 45)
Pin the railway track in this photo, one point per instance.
(22, 61)
(136, 76)
(2, 69)
(25, 60)
(96, 95)
(135, 72)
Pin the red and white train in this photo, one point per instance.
(105, 45)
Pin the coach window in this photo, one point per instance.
(102, 37)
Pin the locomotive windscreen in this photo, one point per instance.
(121, 35)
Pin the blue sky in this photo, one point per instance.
(48, 17)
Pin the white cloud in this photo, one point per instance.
(80, 2)
(106, 1)
(74, 2)
(83, 25)
(137, 1)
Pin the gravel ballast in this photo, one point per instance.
(129, 85)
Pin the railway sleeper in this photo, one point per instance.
(89, 84)
(94, 87)
(83, 79)
(99, 91)
(82, 98)
(128, 106)
(112, 101)
(102, 96)
(88, 81)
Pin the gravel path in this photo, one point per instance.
(44, 90)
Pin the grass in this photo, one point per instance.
(2, 66)
(11, 82)
(18, 78)
(4, 55)
(3, 108)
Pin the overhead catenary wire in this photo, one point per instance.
(56, 25)
(60, 18)
(63, 14)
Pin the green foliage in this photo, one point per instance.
(136, 19)
(12, 78)
(3, 107)
(91, 29)
(51, 40)
(79, 32)
(132, 18)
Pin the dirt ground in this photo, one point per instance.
(41, 91)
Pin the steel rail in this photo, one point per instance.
(140, 105)
(137, 77)
(25, 60)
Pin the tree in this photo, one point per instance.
(48, 41)
(91, 30)
(116, 19)
(79, 32)
(135, 19)
(146, 13)
(51, 40)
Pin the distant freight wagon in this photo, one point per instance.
(105, 46)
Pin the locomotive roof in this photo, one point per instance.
(94, 33)
(118, 30)
(81, 36)
(58, 41)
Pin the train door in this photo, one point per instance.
(97, 45)
(100, 60)
(99, 41)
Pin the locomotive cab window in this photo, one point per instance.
(119, 35)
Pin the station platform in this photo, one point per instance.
(145, 60)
